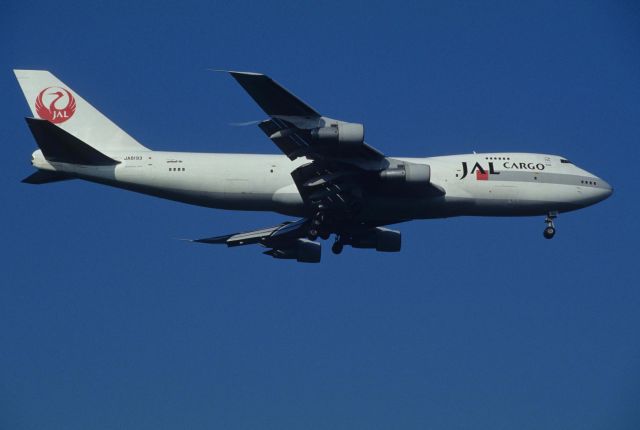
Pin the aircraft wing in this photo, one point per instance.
(285, 241)
(289, 240)
(341, 162)
(272, 98)
(265, 236)
(334, 185)
(299, 130)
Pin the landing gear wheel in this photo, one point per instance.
(318, 219)
(337, 247)
(324, 235)
(312, 234)
(315, 227)
(549, 232)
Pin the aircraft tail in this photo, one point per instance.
(50, 99)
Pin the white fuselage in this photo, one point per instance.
(497, 184)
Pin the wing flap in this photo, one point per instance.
(288, 143)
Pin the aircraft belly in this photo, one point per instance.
(493, 198)
(484, 199)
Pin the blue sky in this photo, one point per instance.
(108, 322)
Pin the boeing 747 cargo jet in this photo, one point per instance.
(329, 177)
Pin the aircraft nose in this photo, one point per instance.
(605, 188)
(593, 191)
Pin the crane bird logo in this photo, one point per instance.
(61, 107)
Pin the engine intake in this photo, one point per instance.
(380, 238)
(409, 173)
(345, 133)
(303, 250)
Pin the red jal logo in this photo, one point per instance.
(58, 111)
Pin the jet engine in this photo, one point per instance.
(302, 250)
(380, 238)
(345, 133)
(407, 173)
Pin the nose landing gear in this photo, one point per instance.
(550, 230)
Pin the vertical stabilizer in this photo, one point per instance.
(52, 100)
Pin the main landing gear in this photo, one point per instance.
(316, 229)
(550, 230)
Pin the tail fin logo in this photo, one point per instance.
(61, 106)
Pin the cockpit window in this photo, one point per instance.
(562, 160)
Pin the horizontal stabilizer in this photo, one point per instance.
(59, 146)
(45, 177)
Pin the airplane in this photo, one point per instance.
(328, 177)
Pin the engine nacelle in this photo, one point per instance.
(345, 133)
(408, 173)
(303, 250)
(380, 238)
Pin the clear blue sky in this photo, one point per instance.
(107, 322)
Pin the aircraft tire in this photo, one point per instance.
(337, 247)
(312, 234)
(549, 232)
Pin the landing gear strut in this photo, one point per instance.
(314, 228)
(550, 230)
